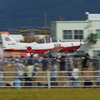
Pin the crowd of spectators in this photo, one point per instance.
(31, 66)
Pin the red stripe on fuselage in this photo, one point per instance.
(69, 49)
(33, 51)
(42, 51)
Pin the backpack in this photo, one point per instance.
(87, 83)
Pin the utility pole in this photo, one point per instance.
(45, 23)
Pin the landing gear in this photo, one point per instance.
(52, 58)
(31, 55)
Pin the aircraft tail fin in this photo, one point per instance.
(8, 40)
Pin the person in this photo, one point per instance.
(22, 59)
(85, 65)
(19, 68)
(95, 63)
(53, 71)
(68, 73)
(75, 61)
(17, 83)
(28, 74)
(35, 70)
(1, 61)
(75, 76)
(1, 75)
(30, 59)
(62, 63)
(45, 63)
(69, 61)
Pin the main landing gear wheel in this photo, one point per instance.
(31, 55)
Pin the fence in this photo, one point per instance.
(44, 79)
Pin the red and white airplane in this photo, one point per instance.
(44, 46)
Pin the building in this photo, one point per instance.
(76, 30)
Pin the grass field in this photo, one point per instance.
(51, 94)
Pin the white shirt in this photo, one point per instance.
(75, 73)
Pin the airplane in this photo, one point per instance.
(44, 46)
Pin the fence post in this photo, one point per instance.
(49, 85)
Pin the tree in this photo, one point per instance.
(92, 38)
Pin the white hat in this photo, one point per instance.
(16, 59)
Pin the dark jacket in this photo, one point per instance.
(86, 62)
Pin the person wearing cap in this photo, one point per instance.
(85, 65)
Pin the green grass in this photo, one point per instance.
(50, 94)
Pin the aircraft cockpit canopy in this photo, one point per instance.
(40, 41)
(54, 39)
(48, 40)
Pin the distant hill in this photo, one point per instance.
(21, 13)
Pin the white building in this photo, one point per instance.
(74, 30)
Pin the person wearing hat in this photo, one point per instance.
(85, 65)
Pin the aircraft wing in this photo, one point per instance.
(54, 51)
(46, 52)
